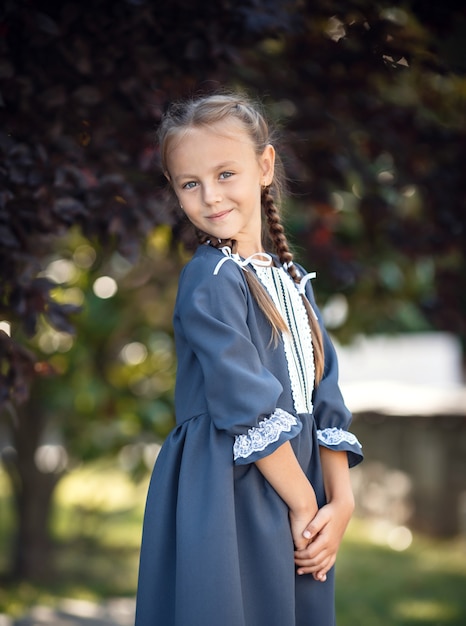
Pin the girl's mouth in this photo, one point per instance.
(219, 216)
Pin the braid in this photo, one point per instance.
(280, 242)
(277, 233)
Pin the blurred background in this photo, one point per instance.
(368, 98)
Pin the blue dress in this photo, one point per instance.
(217, 547)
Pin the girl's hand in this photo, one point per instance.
(299, 521)
(323, 536)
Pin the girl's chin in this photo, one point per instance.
(222, 236)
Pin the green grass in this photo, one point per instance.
(424, 585)
(97, 528)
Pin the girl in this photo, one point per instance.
(250, 495)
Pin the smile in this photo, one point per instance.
(218, 216)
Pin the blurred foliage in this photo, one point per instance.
(120, 362)
(105, 389)
(81, 91)
(369, 98)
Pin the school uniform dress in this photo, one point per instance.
(217, 548)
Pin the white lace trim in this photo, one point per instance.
(298, 342)
(334, 436)
(268, 431)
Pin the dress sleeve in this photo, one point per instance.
(330, 412)
(241, 394)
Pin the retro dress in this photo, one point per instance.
(217, 548)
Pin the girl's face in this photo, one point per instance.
(217, 177)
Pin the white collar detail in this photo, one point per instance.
(263, 259)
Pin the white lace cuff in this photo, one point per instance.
(336, 436)
(268, 431)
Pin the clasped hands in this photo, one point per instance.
(317, 541)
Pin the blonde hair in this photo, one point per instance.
(209, 110)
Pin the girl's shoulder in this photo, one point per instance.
(210, 267)
(210, 285)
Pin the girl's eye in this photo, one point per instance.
(224, 175)
(189, 185)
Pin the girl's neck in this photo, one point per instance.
(246, 249)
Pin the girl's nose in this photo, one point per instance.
(211, 194)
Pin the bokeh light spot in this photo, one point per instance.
(84, 256)
(399, 538)
(134, 353)
(6, 327)
(61, 271)
(105, 287)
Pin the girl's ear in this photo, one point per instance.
(267, 165)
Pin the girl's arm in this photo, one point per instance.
(327, 528)
(282, 470)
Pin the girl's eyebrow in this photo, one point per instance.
(181, 177)
(226, 164)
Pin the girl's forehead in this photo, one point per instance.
(218, 138)
(231, 129)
